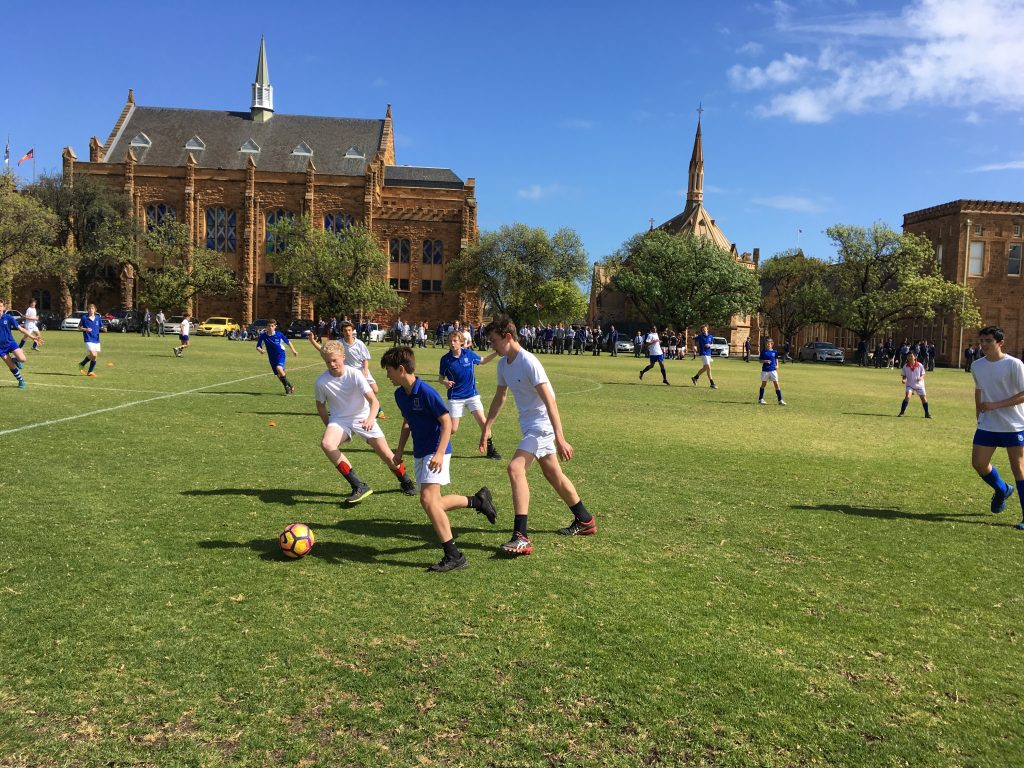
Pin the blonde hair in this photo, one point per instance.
(333, 347)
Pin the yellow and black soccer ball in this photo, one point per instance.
(296, 540)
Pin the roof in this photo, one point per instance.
(695, 220)
(224, 133)
(964, 206)
(413, 176)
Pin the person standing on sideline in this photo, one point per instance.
(769, 371)
(10, 352)
(457, 372)
(186, 326)
(912, 374)
(90, 327)
(654, 354)
(613, 340)
(968, 358)
(160, 320)
(543, 440)
(147, 320)
(746, 350)
(638, 344)
(427, 420)
(32, 326)
(999, 404)
(703, 344)
(277, 345)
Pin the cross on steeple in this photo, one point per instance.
(700, 110)
(651, 220)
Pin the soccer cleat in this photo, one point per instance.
(714, 386)
(409, 487)
(694, 380)
(177, 352)
(899, 415)
(486, 505)
(641, 375)
(91, 375)
(449, 564)
(761, 402)
(782, 402)
(999, 499)
(289, 390)
(82, 371)
(1020, 526)
(493, 454)
(22, 384)
(380, 416)
(517, 545)
(576, 528)
(927, 415)
(20, 364)
(359, 493)
(665, 382)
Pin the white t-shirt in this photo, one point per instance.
(653, 342)
(522, 376)
(185, 327)
(355, 354)
(345, 395)
(914, 376)
(31, 314)
(999, 381)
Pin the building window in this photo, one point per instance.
(337, 221)
(432, 271)
(42, 299)
(432, 253)
(276, 244)
(398, 273)
(399, 283)
(399, 250)
(1016, 230)
(430, 286)
(977, 261)
(977, 229)
(938, 254)
(221, 234)
(271, 278)
(1013, 262)
(157, 214)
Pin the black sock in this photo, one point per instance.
(21, 344)
(350, 475)
(84, 361)
(473, 502)
(925, 404)
(903, 408)
(580, 512)
(287, 384)
(450, 550)
(778, 394)
(760, 395)
(519, 524)
(92, 364)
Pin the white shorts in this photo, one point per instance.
(424, 476)
(770, 376)
(31, 326)
(540, 443)
(92, 346)
(706, 359)
(918, 390)
(456, 407)
(355, 427)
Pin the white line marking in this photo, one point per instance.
(573, 392)
(104, 389)
(51, 422)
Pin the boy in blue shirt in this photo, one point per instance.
(277, 352)
(427, 419)
(457, 372)
(769, 371)
(10, 352)
(90, 327)
(703, 346)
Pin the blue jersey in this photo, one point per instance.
(276, 346)
(91, 328)
(769, 360)
(421, 409)
(704, 342)
(460, 370)
(8, 324)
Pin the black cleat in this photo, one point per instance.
(409, 487)
(576, 528)
(359, 493)
(486, 505)
(289, 390)
(449, 564)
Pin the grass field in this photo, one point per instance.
(820, 584)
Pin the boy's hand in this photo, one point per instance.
(367, 423)
(436, 462)
(564, 449)
(485, 435)
(397, 457)
(449, 383)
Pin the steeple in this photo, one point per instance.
(262, 108)
(695, 188)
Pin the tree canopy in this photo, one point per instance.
(181, 270)
(794, 291)
(682, 281)
(26, 229)
(518, 267)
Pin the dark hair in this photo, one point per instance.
(501, 326)
(271, 321)
(992, 330)
(399, 356)
(346, 324)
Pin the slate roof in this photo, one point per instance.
(168, 130)
(413, 176)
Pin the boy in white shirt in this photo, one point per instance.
(913, 381)
(357, 356)
(654, 354)
(543, 440)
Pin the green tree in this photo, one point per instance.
(342, 272)
(180, 270)
(682, 281)
(794, 291)
(26, 229)
(518, 267)
(883, 278)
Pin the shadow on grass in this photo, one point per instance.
(286, 496)
(893, 514)
(280, 413)
(236, 392)
(876, 415)
(53, 373)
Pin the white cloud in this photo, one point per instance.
(577, 124)
(933, 52)
(539, 191)
(1011, 165)
(750, 49)
(973, 118)
(789, 203)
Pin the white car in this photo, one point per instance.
(375, 332)
(719, 346)
(172, 325)
(72, 321)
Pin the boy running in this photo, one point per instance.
(32, 326)
(458, 374)
(277, 352)
(10, 352)
(654, 354)
(999, 404)
(543, 440)
(428, 421)
(357, 355)
(345, 403)
(90, 327)
(703, 346)
(769, 371)
(912, 374)
(186, 326)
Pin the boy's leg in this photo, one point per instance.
(906, 400)
(924, 404)
(492, 452)
(760, 394)
(381, 448)
(10, 360)
(778, 393)
(664, 376)
(583, 523)
(520, 542)
(1016, 457)
(333, 437)
(981, 460)
(283, 378)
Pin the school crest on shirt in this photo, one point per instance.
(416, 403)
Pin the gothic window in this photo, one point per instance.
(221, 232)
(398, 272)
(432, 253)
(399, 250)
(1013, 262)
(337, 222)
(158, 213)
(433, 266)
(276, 244)
(272, 278)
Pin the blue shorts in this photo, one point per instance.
(6, 349)
(275, 363)
(183, 339)
(999, 439)
(656, 359)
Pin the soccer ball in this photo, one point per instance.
(296, 540)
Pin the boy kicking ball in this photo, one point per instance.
(277, 345)
(913, 382)
(427, 419)
(457, 373)
(347, 405)
(999, 404)
(769, 371)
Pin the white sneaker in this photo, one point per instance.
(761, 402)
(782, 402)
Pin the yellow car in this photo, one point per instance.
(217, 326)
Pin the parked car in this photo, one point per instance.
(822, 352)
(71, 322)
(297, 328)
(255, 328)
(719, 346)
(375, 332)
(217, 326)
(125, 320)
(48, 319)
(624, 345)
(172, 324)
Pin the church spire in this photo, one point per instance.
(695, 187)
(262, 108)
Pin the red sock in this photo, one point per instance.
(345, 468)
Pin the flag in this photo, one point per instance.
(7, 153)
(28, 155)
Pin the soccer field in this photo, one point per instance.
(817, 584)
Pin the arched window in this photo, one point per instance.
(221, 231)
(158, 213)
(398, 274)
(337, 221)
(276, 244)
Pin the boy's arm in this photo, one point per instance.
(321, 408)
(486, 360)
(546, 395)
(1007, 403)
(403, 438)
(442, 443)
(295, 352)
(492, 413)
(316, 344)
(374, 407)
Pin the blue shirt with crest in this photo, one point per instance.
(276, 345)
(460, 370)
(421, 408)
(769, 360)
(90, 328)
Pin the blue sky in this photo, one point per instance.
(581, 114)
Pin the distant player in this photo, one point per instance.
(654, 354)
(346, 405)
(458, 374)
(543, 440)
(32, 326)
(186, 326)
(999, 404)
(90, 326)
(769, 371)
(428, 421)
(277, 345)
(703, 346)
(10, 352)
(912, 374)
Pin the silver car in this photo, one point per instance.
(822, 352)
